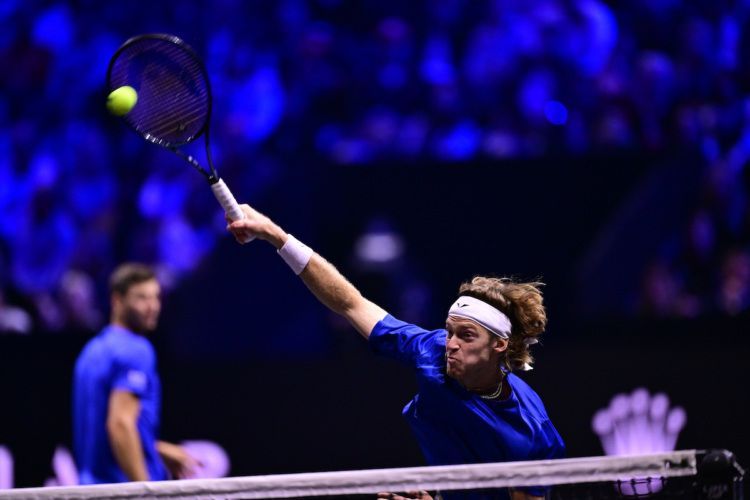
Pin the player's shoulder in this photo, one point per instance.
(94, 349)
(527, 396)
(390, 324)
(392, 336)
(127, 346)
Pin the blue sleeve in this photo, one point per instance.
(404, 341)
(132, 369)
(552, 447)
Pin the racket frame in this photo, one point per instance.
(219, 188)
(211, 175)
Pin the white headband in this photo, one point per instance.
(481, 312)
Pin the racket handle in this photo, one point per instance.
(228, 203)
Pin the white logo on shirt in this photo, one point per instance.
(137, 379)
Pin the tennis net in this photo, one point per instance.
(687, 474)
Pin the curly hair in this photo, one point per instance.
(522, 303)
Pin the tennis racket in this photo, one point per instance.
(174, 101)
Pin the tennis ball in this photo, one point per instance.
(121, 100)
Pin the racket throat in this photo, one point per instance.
(211, 176)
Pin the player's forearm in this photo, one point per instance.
(127, 450)
(335, 292)
(321, 277)
(329, 286)
(323, 280)
(163, 446)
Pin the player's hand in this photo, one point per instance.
(254, 225)
(409, 495)
(179, 463)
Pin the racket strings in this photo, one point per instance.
(177, 114)
(173, 92)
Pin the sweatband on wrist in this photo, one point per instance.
(296, 254)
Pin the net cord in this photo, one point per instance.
(444, 478)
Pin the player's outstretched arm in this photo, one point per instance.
(320, 276)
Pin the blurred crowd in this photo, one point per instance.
(330, 81)
(703, 266)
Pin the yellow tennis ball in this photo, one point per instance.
(121, 100)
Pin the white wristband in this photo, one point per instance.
(296, 254)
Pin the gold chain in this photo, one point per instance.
(497, 392)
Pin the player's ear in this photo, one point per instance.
(501, 344)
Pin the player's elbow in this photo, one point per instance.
(119, 425)
(364, 316)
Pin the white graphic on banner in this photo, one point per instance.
(639, 423)
(6, 468)
(213, 460)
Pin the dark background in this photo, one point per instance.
(600, 147)
(233, 370)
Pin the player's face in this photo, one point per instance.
(140, 306)
(470, 350)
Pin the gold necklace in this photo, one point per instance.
(497, 392)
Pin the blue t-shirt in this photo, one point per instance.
(115, 359)
(455, 426)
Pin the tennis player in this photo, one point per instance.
(117, 393)
(470, 407)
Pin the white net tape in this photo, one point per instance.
(448, 477)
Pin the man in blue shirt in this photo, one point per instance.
(470, 407)
(117, 393)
